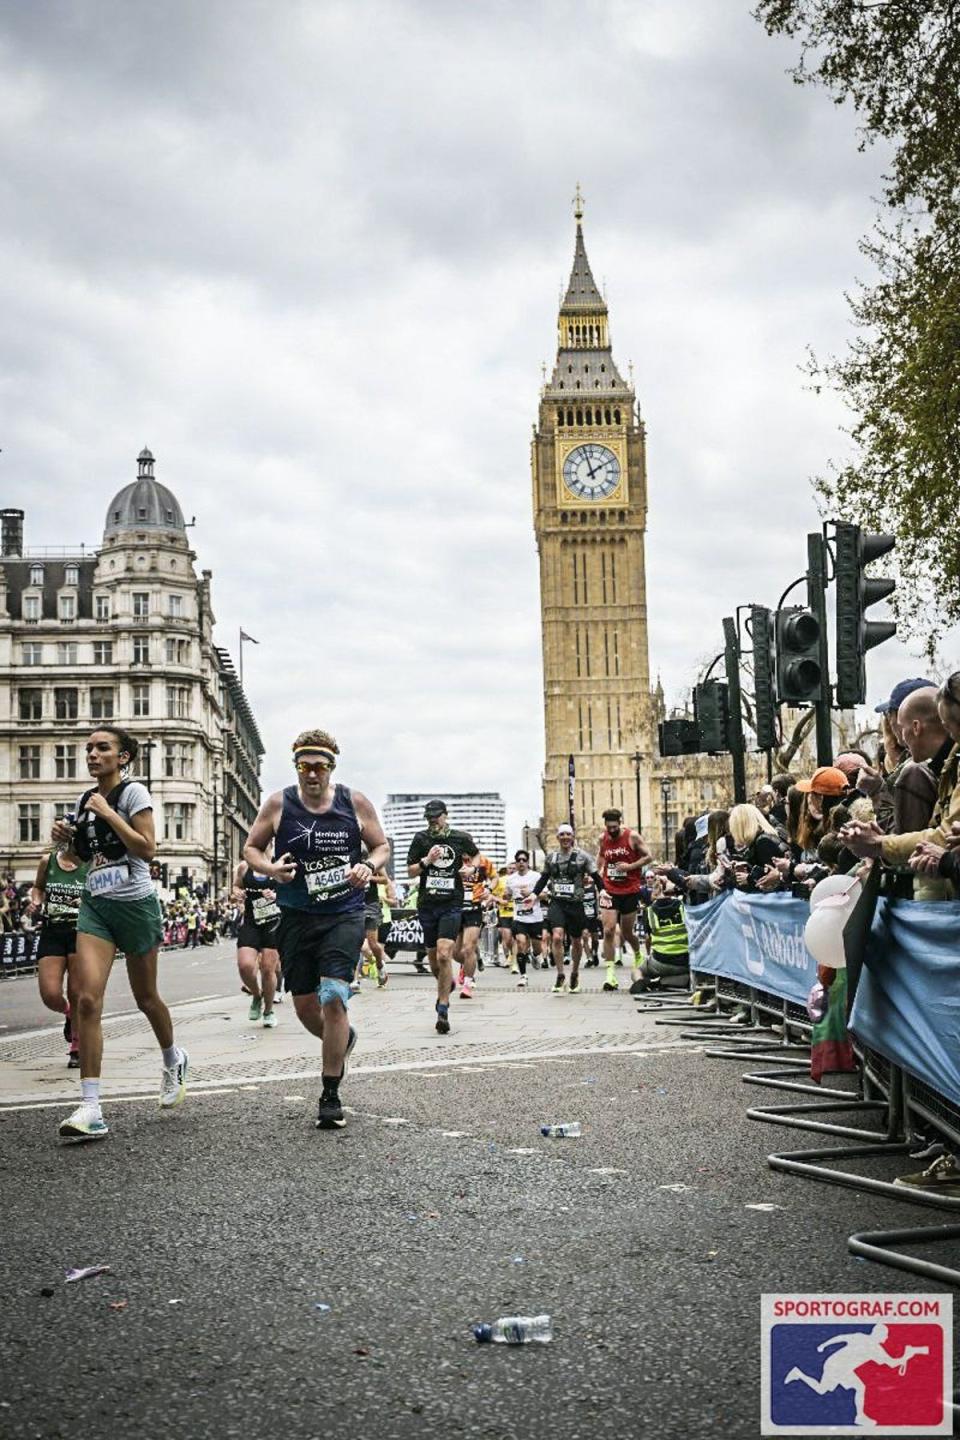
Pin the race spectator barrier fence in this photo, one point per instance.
(905, 1021)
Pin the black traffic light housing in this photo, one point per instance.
(711, 706)
(856, 592)
(800, 678)
(765, 698)
(679, 737)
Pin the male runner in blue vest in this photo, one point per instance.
(319, 830)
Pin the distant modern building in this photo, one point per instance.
(481, 812)
(122, 635)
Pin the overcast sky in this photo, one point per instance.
(311, 254)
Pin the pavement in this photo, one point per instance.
(229, 1222)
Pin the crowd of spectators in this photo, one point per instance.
(900, 803)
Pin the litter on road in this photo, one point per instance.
(570, 1130)
(86, 1272)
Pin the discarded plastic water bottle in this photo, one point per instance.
(569, 1131)
(516, 1330)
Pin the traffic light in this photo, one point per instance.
(799, 677)
(855, 594)
(765, 699)
(712, 709)
(679, 737)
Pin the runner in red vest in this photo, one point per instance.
(620, 861)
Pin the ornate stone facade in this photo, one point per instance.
(122, 635)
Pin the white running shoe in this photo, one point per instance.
(86, 1123)
(522, 983)
(173, 1081)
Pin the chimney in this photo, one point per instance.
(11, 532)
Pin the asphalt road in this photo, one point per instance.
(227, 1222)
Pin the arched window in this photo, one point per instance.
(559, 417)
(569, 417)
(606, 414)
(579, 417)
(616, 417)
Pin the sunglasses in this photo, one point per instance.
(312, 767)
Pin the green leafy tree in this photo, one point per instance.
(898, 63)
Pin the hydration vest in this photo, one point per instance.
(92, 835)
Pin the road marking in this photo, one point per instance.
(390, 1067)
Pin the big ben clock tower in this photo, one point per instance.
(589, 509)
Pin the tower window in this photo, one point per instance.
(577, 386)
(603, 369)
(589, 417)
(559, 417)
(616, 417)
(569, 369)
(606, 414)
(569, 417)
(579, 417)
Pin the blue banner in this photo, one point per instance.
(907, 1004)
(756, 939)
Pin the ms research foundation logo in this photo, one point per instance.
(856, 1365)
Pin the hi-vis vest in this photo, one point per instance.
(668, 932)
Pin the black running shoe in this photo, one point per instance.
(443, 1019)
(330, 1115)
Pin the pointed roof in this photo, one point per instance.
(582, 293)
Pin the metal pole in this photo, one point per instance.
(735, 736)
(664, 802)
(817, 600)
(241, 657)
(636, 758)
(216, 846)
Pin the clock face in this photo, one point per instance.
(591, 472)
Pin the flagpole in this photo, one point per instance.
(241, 657)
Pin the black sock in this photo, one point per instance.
(522, 963)
(331, 1086)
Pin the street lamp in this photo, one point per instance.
(637, 759)
(665, 788)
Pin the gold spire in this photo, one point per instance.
(578, 204)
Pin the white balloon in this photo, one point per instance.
(835, 885)
(823, 933)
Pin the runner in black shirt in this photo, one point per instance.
(436, 857)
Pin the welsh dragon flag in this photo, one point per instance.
(831, 1049)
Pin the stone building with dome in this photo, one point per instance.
(122, 635)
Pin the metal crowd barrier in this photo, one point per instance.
(900, 1101)
(18, 954)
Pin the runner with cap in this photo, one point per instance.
(436, 856)
(527, 913)
(568, 871)
(621, 860)
(319, 829)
